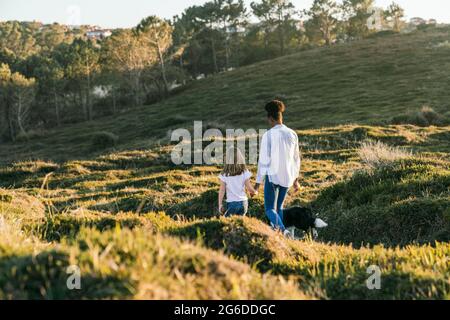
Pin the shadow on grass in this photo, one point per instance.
(68, 227)
(25, 174)
(245, 239)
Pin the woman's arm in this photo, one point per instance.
(221, 195)
(297, 161)
(263, 162)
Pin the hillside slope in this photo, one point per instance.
(366, 82)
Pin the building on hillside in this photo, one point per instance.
(236, 29)
(432, 22)
(98, 34)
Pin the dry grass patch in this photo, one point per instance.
(376, 155)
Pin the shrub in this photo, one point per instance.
(104, 139)
(377, 154)
(426, 117)
(431, 117)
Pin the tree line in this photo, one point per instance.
(54, 74)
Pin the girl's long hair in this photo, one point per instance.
(234, 163)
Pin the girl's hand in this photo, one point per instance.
(296, 186)
(221, 196)
(253, 193)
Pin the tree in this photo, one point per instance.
(111, 80)
(5, 99)
(18, 38)
(275, 14)
(357, 14)
(158, 34)
(182, 36)
(209, 31)
(28, 38)
(324, 19)
(22, 94)
(197, 35)
(51, 83)
(126, 54)
(83, 65)
(17, 97)
(394, 15)
(7, 56)
(208, 20)
(232, 15)
(53, 35)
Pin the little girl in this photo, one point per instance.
(234, 180)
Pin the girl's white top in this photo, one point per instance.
(235, 186)
(279, 156)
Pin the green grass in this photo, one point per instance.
(105, 195)
(331, 271)
(130, 264)
(112, 256)
(408, 202)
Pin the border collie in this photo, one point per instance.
(303, 219)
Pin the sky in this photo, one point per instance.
(128, 13)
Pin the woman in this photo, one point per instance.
(279, 164)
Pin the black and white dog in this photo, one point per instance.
(303, 219)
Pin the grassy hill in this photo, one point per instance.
(375, 167)
(365, 82)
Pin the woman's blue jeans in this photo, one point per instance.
(274, 196)
(237, 208)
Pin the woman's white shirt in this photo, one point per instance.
(279, 157)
